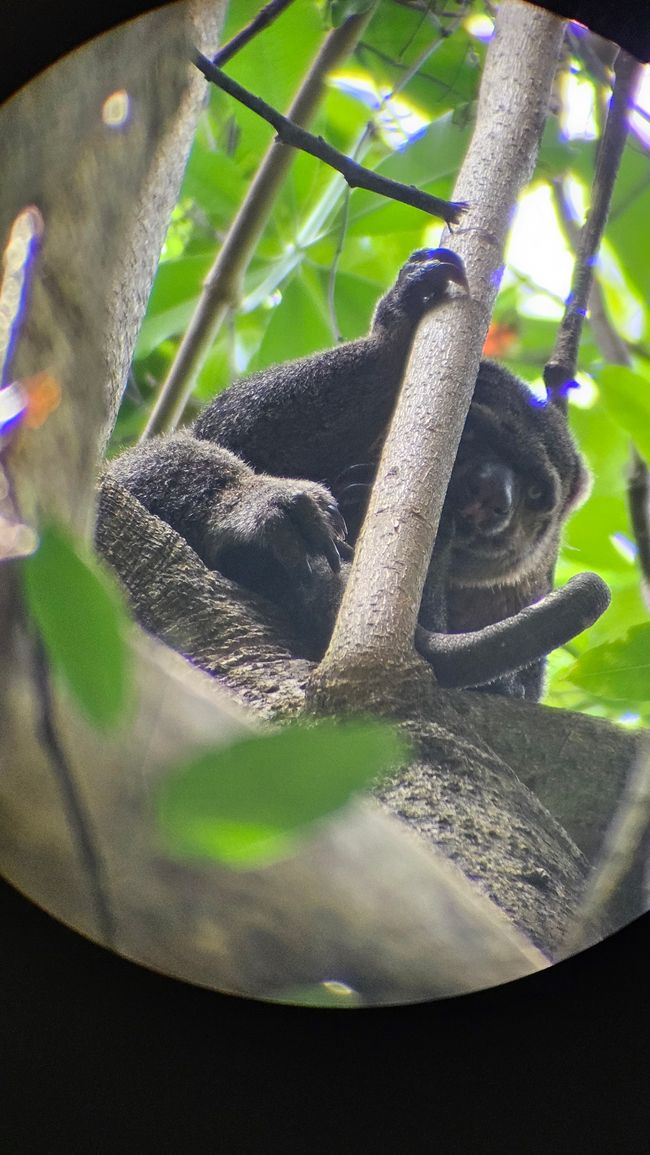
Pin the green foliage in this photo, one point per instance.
(326, 254)
(618, 671)
(245, 805)
(78, 611)
(626, 397)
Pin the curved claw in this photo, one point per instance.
(332, 554)
(445, 259)
(363, 469)
(337, 520)
(356, 492)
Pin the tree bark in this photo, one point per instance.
(372, 644)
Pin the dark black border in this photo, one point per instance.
(35, 33)
(100, 1055)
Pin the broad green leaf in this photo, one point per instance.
(298, 325)
(625, 610)
(272, 66)
(558, 156)
(214, 181)
(173, 300)
(606, 447)
(617, 671)
(587, 540)
(80, 616)
(429, 162)
(246, 804)
(626, 396)
(355, 299)
(627, 226)
(216, 372)
(399, 36)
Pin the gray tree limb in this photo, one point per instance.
(373, 636)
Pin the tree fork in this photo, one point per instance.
(379, 611)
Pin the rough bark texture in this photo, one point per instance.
(517, 795)
(140, 250)
(376, 623)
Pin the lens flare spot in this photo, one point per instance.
(116, 109)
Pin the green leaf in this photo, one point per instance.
(617, 671)
(244, 805)
(626, 396)
(607, 449)
(214, 181)
(588, 538)
(627, 226)
(173, 300)
(79, 613)
(298, 325)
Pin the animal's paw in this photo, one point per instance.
(424, 278)
(274, 531)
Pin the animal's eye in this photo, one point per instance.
(535, 495)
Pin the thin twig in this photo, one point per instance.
(78, 818)
(355, 174)
(638, 500)
(221, 288)
(615, 352)
(359, 151)
(264, 17)
(561, 366)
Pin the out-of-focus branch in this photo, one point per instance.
(222, 285)
(615, 352)
(638, 500)
(623, 840)
(561, 367)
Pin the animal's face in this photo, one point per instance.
(516, 478)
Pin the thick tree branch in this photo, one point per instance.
(456, 793)
(376, 624)
(222, 285)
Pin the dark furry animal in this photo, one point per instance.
(259, 483)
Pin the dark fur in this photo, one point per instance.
(228, 485)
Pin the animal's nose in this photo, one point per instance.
(488, 498)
